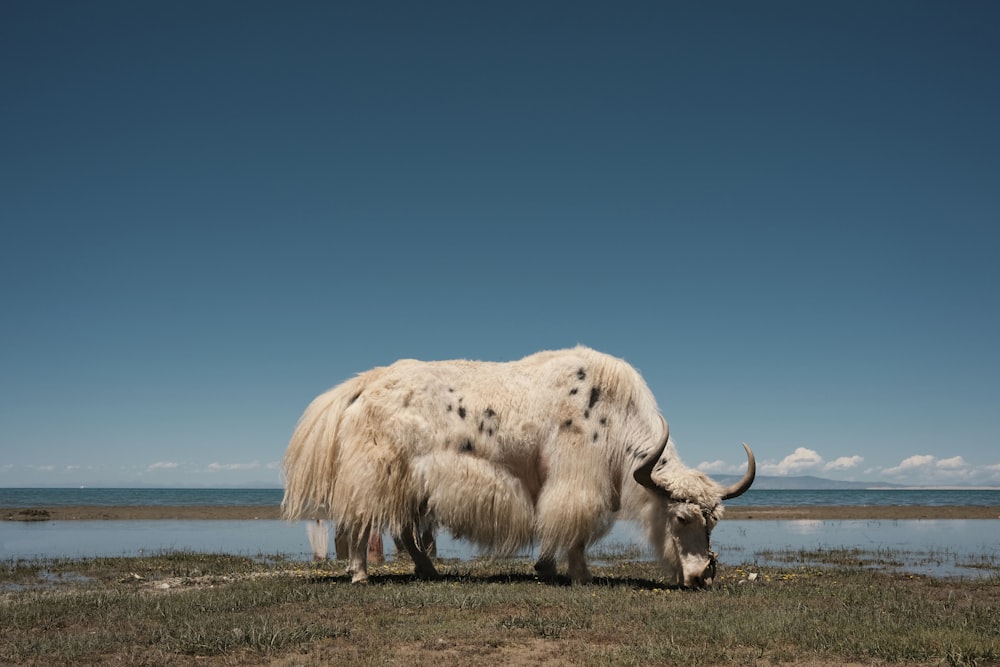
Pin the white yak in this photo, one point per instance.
(550, 450)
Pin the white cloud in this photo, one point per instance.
(6, 467)
(929, 469)
(800, 460)
(218, 467)
(911, 464)
(163, 465)
(844, 463)
(954, 463)
(712, 467)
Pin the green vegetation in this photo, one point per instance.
(190, 608)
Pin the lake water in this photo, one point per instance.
(939, 547)
(23, 498)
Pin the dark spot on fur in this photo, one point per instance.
(581, 374)
(461, 412)
(586, 414)
(604, 421)
(489, 432)
(595, 395)
(595, 436)
(466, 446)
(481, 426)
(568, 423)
(354, 398)
(449, 407)
(451, 389)
(490, 413)
(573, 391)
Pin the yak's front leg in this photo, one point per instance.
(357, 552)
(428, 543)
(577, 560)
(545, 566)
(422, 565)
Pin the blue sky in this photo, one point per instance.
(783, 213)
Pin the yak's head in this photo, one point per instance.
(682, 513)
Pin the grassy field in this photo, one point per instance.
(199, 609)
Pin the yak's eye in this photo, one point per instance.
(683, 520)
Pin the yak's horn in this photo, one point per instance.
(740, 487)
(644, 473)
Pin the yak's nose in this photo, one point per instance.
(705, 579)
(699, 582)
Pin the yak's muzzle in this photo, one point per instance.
(705, 578)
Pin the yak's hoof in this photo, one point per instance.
(427, 575)
(546, 569)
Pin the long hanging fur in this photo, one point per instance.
(319, 539)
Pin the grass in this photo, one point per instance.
(191, 608)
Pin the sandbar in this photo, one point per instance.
(260, 512)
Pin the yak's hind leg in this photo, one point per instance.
(319, 539)
(357, 555)
(579, 573)
(422, 565)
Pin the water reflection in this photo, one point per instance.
(939, 547)
(805, 526)
(935, 547)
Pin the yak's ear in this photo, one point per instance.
(672, 489)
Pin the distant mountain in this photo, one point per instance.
(803, 483)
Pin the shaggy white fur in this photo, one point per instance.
(503, 454)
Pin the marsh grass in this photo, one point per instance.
(190, 608)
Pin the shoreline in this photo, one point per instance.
(265, 512)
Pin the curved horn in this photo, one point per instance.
(644, 473)
(740, 487)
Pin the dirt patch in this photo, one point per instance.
(433, 652)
